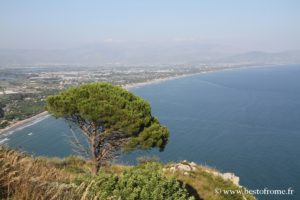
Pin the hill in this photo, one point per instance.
(117, 53)
(25, 177)
(263, 58)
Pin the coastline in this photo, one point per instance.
(23, 122)
(129, 86)
(29, 120)
(168, 78)
(158, 80)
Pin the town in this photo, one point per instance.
(23, 89)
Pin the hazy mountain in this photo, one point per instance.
(145, 53)
(256, 57)
(118, 52)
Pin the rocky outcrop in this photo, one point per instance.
(226, 176)
(186, 167)
(183, 166)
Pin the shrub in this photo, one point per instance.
(141, 182)
(147, 159)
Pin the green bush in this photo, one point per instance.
(145, 182)
(3, 123)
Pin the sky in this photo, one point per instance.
(267, 25)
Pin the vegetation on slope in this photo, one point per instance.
(20, 106)
(25, 177)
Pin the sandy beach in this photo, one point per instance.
(158, 80)
(23, 122)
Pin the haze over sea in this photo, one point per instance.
(245, 121)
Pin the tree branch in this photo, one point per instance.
(77, 145)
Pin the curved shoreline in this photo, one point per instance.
(23, 122)
(29, 120)
(126, 86)
(158, 80)
(168, 78)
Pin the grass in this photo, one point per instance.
(203, 185)
(25, 177)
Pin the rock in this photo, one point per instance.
(193, 165)
(226, 176)
(231, 177)
(183, 167)
(172, 169)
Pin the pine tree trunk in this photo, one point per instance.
(96, 166)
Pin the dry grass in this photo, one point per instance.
(23, 177)
(202, 184)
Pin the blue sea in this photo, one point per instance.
(245, 121)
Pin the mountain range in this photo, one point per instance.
(145, 53)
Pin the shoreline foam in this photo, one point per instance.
(24, 123)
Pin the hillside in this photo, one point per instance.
(106, 53)
(117, 52)
(263, 58)
(25, 177)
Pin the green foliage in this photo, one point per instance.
(3, 123)
(1, 113)
(25, 177)
(203, 184)
(22, 105)
(111, 108)
(72, 164)
(147, 159)
(145, 182)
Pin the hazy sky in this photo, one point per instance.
(271, 25)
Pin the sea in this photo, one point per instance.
(245, 121)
